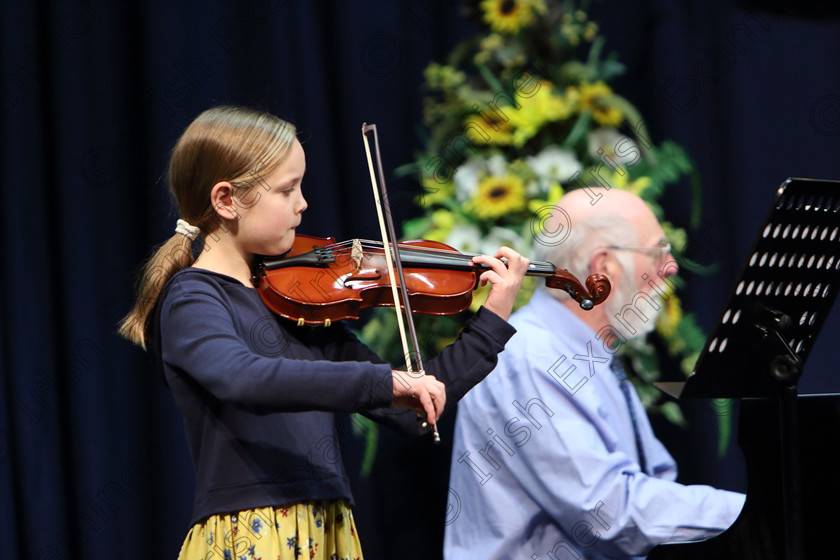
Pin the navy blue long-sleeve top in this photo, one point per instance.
(258, 393)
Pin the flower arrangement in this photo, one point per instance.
(520, 114)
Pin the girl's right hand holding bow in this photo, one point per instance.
(422, 393)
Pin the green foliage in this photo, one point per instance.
(516, 116)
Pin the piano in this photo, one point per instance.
(756, 354)
(759, 532)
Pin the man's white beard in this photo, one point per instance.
(632, 324)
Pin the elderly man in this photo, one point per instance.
(554, 456)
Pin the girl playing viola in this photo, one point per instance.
(258, 393)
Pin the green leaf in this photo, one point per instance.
(495, 85)
(408, 169)
(579, 130)
(674, 414)
(634, 118)
(415, 228)
(371, 433)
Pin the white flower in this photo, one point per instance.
(555, 164)
(499, 236)
(535, 189)
(497, 165)
(465, 237)
(609, 143)
(467, 177)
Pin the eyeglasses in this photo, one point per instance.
(660, 250)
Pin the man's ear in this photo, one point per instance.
(221, 198)
(601, 262)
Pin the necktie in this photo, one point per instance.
(626, 388)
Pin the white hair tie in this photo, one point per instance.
(183, 227)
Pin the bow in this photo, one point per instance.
(392, 258)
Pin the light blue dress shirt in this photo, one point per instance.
(544, 463)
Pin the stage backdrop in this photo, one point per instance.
(93, 461)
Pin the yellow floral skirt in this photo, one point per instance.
(316, 530)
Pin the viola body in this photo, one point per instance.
(333, 282)
(319, 281)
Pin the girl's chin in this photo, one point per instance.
(285, 245)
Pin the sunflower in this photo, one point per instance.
(607, 115)
(489, 128)
(593, 97)
(509, 16)
(589, 93)
(498, 195)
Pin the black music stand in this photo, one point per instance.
(772, 319)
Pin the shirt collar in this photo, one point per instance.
(558, 317)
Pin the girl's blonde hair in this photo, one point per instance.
(233, 144)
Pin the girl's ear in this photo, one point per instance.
(221, 198)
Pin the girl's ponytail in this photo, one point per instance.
(174, 255)
(234, 144)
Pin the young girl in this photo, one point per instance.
(258, 393)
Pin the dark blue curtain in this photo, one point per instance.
(93, 462)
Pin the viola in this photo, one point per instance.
(319, 281)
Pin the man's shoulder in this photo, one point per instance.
(537, 335)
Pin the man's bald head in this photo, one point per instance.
(602, 231)
(584, 219)
(583, 204)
